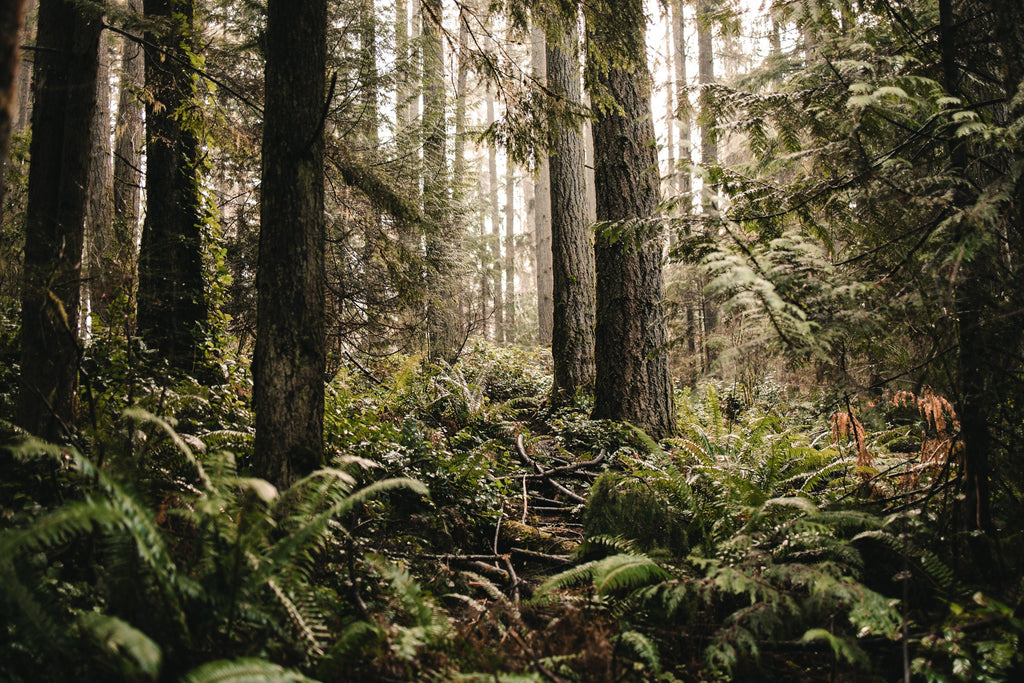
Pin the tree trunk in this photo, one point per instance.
(542, 210)
(492, 292)
(11, 15)
(23, 103)
(128, 141)
(172, 307)
(290, 356)
(65, 97)
(442, 305)
(572, 247)
(99, 217)
(510, 251)
(632, 380)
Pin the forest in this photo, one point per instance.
(512, 340)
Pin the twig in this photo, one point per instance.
(521, 449)
(564, 469)
(524, 499)
(533, 554)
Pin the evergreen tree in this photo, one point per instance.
(171, 299)
(572, 341)
(632, 379)
(66, 65)
(290, 356)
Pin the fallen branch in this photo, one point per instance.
(521, 449)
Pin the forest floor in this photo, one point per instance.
(467, 530)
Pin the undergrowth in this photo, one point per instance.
(764, 541)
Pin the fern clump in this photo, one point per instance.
(644, 509)
(207, 565)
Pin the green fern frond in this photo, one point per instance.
(642, 646)
(129, 646)
(244, 671)
(619, 572)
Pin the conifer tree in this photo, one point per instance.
(290, 356)
(66, 64)
(572, 249)
(632, 379)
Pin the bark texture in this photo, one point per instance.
(290, 356)
(442, 303)
(509, 319)
(65, 96)
(542, 210)
(632, 376)
(172, 305)
(99, 218)
(572, 246)
(128, 140)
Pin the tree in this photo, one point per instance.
(11, 17)
(441, 242)
(171, 300)
(632, 379)
(572, 249)
(290, 357)
(65, 97)
(542, 206)
(128, 145)
(99, 216)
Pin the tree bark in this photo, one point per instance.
(65, 97)
(510, 251)
(442, 304)
(632, 380)
(572, 246)
(491, 276)
(11, 17)
(290, 355)
(542, 209)
(128, 141)
(99, 217)
(172, 306)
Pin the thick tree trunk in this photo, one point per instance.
(632, 381)
(128, 142)
(442, 304)
(572, 246)
(11, 15)
(65, 96)
(99, 217)
(542, 210)
(290, 356)
(172, 306)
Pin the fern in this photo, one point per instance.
(243, 671)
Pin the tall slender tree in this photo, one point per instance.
(66, 65)
(290, 355)
(128, 145)
(171, 299)
(509, 319)
(572, 247)
(632, 379)
(99, 218)
(542, 206)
